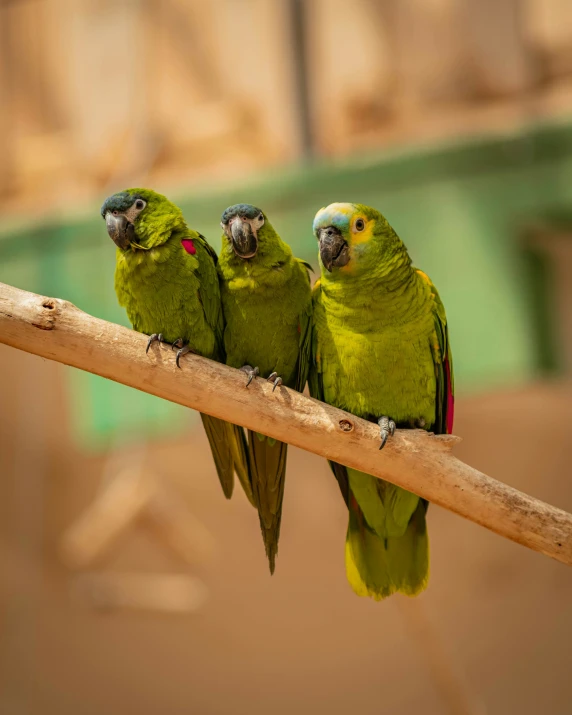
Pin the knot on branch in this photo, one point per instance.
(346, 425)
(45, 313)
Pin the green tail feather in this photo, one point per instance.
(239, 449)
(378, 567)
(268, 472)
(387, 508)
(229, 450)
(218, 439)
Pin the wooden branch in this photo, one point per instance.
(413, 459)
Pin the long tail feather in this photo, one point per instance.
(239, 448)
(268, 473)
(377, 567)
(217, 434)
(386, 507)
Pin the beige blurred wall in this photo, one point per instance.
(184, 92)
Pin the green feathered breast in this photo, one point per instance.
(380, 347)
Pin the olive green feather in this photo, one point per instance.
(267, 307)
(167, 281)
(380, 348)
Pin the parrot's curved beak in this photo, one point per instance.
(244, 241)
(120, 230)
(334, 251)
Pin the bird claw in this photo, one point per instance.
(155, 337)
(178, 344)
(273, 377)
(182, 351)
(252, 372)
(386, 429)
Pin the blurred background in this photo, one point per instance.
(128, 584)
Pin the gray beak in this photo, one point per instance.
(334, 251)
(120, 230)
(244, 242)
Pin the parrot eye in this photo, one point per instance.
(261, 217)
(139, 204)
(360, 224)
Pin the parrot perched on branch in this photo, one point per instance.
(166, 279)
(381, 351)
(267, 303)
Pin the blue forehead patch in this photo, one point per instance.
(337, 215)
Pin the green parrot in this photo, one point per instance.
(166, 279)
(267, 304)
(381, 351)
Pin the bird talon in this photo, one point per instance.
(182, 351)
(150, 342)
(274, 377)
(386, 429)
(251, 375)
(252, 372)
(155, 337)
(178, 344)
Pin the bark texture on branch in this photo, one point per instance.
(413, 459)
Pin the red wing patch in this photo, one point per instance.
(189, 246)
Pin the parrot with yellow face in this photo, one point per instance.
(381, 351)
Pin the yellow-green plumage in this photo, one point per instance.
(380, 348)
(167, 281)
(267, 307)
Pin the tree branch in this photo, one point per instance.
(413, 459)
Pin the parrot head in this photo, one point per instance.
(244, 227)
(140, 218)
(352, 235)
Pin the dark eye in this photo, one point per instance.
(360, 224)
(139, 204)
(261, 217)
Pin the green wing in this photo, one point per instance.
(306, 265)
(316, 386)
(305, 345)
(209, 292)
(228, 442)
(443, 360)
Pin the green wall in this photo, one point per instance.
(459, 208)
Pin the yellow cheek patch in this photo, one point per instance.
(365, 235)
